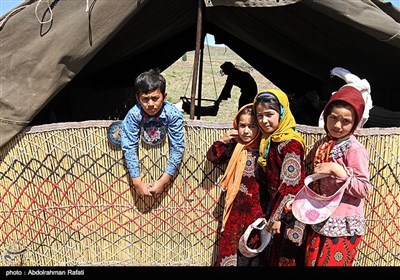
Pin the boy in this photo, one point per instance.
(151, 119)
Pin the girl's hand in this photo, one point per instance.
(274, 227)
(229, 135)
(331, 168)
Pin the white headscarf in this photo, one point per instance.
(361, 85)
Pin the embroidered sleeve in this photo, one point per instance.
(220, 152)
(282, 210)
(292, 172)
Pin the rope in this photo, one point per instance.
(188, 83)
(210, 110)
(14, 11)
(212, 70)
(48, 8)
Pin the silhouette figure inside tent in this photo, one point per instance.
(241, 79)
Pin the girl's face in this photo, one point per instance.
(247, 128)
(151, 102)
(340, 121)
(268, 119)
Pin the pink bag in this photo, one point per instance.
(311, 208)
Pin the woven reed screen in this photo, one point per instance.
(66, 200)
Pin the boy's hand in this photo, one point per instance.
(158, 186)
(141, 188)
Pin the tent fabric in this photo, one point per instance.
(249, 3)
(80, 65)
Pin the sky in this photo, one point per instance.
(8, 5)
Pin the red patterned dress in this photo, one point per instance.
(250, 203)
(285, 175)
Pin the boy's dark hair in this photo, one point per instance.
(149, 81)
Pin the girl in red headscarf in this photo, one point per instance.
(333, 242)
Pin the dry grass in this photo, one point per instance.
(179, 80)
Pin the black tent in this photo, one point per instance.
(55, 58)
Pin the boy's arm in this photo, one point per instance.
(176, 136)
(130, 128)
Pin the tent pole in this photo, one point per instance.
(201, 62)
(199, 95)
(196, 57)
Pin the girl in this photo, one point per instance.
(333, 242)
(282, 158)
(243, 201)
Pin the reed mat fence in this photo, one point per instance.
(65, 199)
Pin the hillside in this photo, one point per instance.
(179, 80)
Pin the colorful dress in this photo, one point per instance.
(334, 241)
(285, 177)
(250, 203)
(282, 158)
